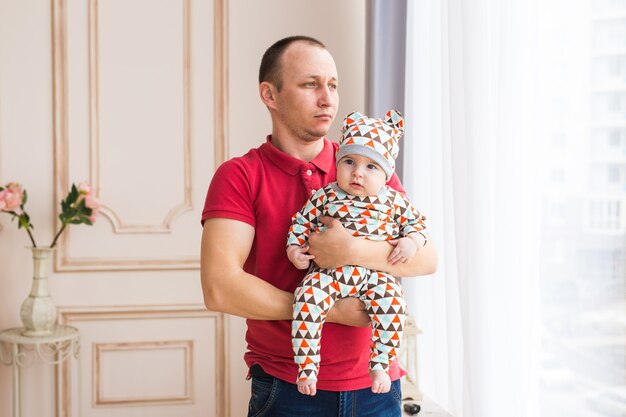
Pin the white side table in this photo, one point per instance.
(22, 351)
(407, 358)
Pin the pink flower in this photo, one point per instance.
(11, 197)
(92, 203)
(84, 188)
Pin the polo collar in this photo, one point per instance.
(324, 161)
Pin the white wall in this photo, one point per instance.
(150, 302)
(255, 25)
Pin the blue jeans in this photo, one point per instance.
(272, 397)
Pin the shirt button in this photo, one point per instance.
(309, 172)
(312, 192)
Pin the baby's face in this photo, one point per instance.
(359, 175)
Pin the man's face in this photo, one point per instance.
(307, 103)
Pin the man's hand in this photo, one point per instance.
(331, 247)
(350, 312)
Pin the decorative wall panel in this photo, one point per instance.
(140, 373)
(148, 357)
(135, 87)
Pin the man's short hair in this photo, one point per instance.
(270, 69)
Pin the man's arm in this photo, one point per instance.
(336, 247)
(226, 286)
(229, 289)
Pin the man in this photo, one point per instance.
(244, 267)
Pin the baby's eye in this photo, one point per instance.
(372, 166)
(349, 161)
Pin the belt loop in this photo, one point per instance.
(341, 404)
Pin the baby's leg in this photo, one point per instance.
(387, 308)
(313, 298)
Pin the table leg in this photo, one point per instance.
(17, 404)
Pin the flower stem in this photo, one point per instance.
(32, 240)
(54, 242)
(27, 226)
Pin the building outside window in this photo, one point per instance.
(583, 273)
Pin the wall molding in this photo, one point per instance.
(73, 316)
(119, 226)
(101, 400)
(64, 261)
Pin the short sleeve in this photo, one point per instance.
(394, 183)
(229, 195)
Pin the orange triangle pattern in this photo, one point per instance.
(379, 217)
(318, 292)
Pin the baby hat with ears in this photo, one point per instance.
(376, 139)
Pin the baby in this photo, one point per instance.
(367, 208)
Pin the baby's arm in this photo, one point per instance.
(302, 224)
(298, 256)
(412, 228)
(405, 247)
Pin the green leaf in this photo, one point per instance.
(24, 199)
(65, 217)
(66, 205)
(73, 195)
(23, 221)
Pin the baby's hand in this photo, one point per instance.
(298, 256)
(405, 248)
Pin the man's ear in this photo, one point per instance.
(267, 93)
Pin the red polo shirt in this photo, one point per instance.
(264, 188)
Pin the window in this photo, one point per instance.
(583, 289)
(613, 174)
(615, 138)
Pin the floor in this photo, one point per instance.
(429, 408)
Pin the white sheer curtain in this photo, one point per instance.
(516, 149)
(474, 156)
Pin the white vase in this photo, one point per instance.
(38, 312)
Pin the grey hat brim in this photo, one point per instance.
(368, 153)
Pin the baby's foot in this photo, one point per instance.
(381, 383)
(308, 387)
